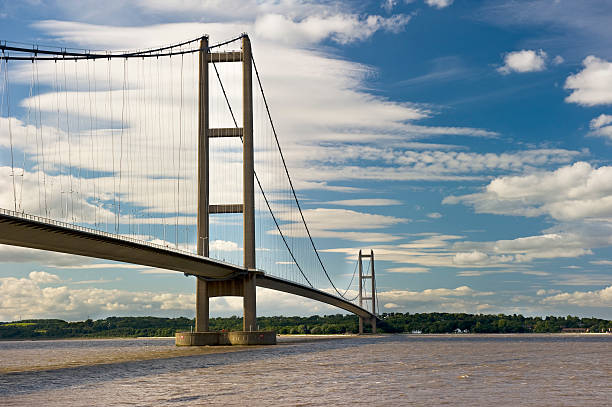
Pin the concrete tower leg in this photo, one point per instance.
(202, 304)
(249, 320)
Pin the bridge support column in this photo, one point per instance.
(202, 304)
(202, 307)
(249, 319)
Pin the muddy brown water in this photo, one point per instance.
(531, 370)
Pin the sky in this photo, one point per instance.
(465, 142)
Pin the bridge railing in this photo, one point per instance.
(48, 221)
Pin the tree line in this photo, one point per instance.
(434, 322)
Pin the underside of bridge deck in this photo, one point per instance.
(38, 233)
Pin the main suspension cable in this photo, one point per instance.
(259, 183)
(63, 54)
(290, 181)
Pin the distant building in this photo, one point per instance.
(574, 330)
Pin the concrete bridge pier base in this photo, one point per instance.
(372, 322)
(239, 287)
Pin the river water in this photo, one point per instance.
(537, 370)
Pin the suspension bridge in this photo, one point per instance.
(165, 157)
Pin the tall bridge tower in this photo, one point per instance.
(363, 296)
(243, 286)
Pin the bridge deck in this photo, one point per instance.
(41, 233)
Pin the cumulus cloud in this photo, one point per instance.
(597, 298)
(601, 121)
(31, 297)
(470, 258)
(574, 192)
(524, 61)
(42, 277)
(439, 3)
(224, 246)
(460, 299)
(600, 126)
(593, 85)
(434, 215)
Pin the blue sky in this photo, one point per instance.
(469, 138)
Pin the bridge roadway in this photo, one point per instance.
(24, 230)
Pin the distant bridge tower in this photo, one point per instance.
(363, 278)
(243, 286)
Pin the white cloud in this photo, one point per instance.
(364, 162)
(470, 258)
(365, 202)
(593, 85)
(460, 299)
(26, 298)
(574, 192)
(558, 60)
(600, 126)
(99, 266)
(224, 246)
(598, 298)
(547, 292)
(158, 271)
(29, 298)
(341, 28)
(42, 277)
(601, 121)
(524, 61)
(434, 215)
(341, 223)
(15, 254)
(408, 270)
(388, 5)
(439, 3)
(486, 257)
(391, 305)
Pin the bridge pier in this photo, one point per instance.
(372, 322)
(238, 287)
